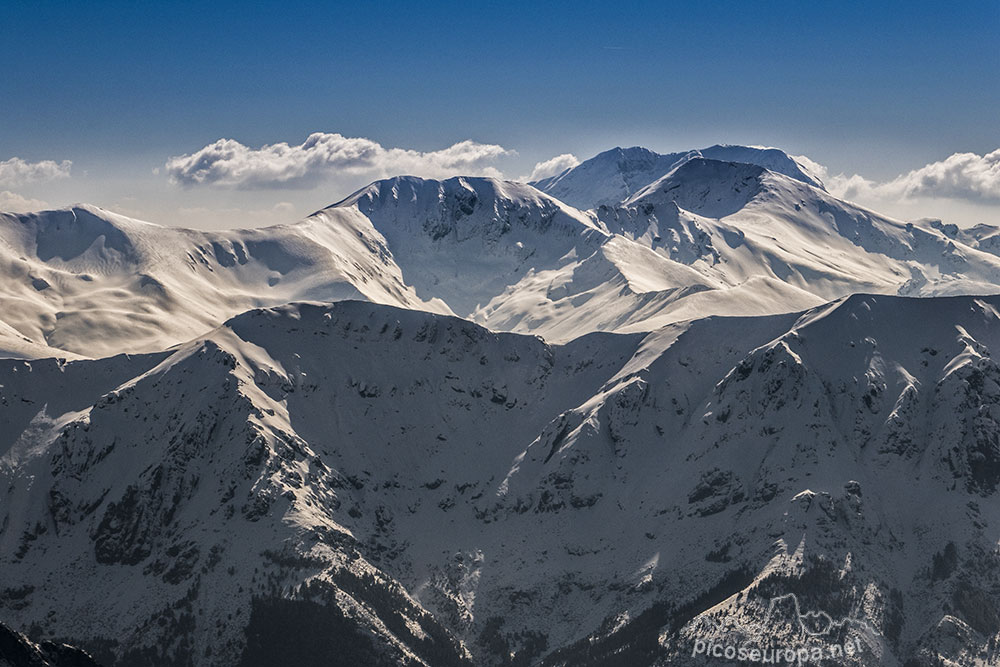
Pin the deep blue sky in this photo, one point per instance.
(878, 87)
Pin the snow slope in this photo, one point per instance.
(464, 240)
(90, 282)
(417, 488)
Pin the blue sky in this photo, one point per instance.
(877, 89)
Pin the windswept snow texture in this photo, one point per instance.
(352, 483)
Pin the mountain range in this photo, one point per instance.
(653, 404)
(706, 237)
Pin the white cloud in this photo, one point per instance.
(552, 167)
(855, 186)
(814, 168)
(228, 163)
(11, 202)
(15, 171)
(962, 176)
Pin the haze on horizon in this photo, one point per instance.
(226, 116)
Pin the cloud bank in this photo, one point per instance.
(228, 163)
(16, 172)
(11, 202)
(961, 176)
(552, 167)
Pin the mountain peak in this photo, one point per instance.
(474, 201)
(774, 159)
(608, 177)
(615, 175)
(632, 154)
(712, 188)
(417, 189)
(466, 239)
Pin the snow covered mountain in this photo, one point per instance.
(89, 282)
(739, 239)
(739, 220)
(707, 237)
(464, 240)
(362, 484)
(615, 175)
